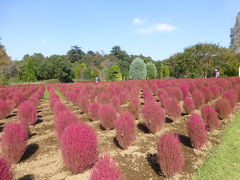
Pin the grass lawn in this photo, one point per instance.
(224, 161)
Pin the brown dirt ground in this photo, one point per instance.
(42, 159)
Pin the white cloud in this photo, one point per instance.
(165, 27)
(155, 28)
(137, 21)
(43, 41)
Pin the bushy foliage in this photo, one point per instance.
(107, 116)
(116, 103)
(188, 105)
(172, 107)
(210, 116)
(62, 120)
(27, 113)
(198, 98)
(5, 170)
(151, 70)
(185, 89)
(83, 103)
(123, 96)
(208, 94)
(13, 142)
(134, 106)
(175, 92)
(93, 111)
(232, 96)
(125, 129)
(170, 155)
(223, 107)
(106, 168)
(79, 147)
(5, 109)
(137, 70)
(59, 107)
(154, 116)
(103, 98)
(197, 131)
(114, 73)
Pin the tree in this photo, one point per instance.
(114, 73)
(91, 53)
(151, 70)
(29, 70)
(138, 70)
(104, 74)
(117, 52)
(78, 70)
(5, 61)
(75, 54)
(164, 71)
(87, 73)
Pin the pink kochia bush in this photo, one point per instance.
(223, 107)
(107, 116)
(210, 116)
(93, 111)
(59, 107)
(197, 131)
(106, 169)
(116, 104)
(5, 109)
(13, 142)
(154, 116)
(232, 96)
(188, 105)
(78, 145)
(125, 129)
(172, 107)
(27, 113)
(5, 171)
(62, 120)
(198, 98)
(170, 155)
(83, 104)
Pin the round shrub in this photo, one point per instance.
(208, 94)
(62, 120)
(185, 90)
(188, 105)
(59, 107)
(137, 70)
(123, 96)
(5, 170)
(5, 109)
(116, 104)
(27, 113)
(13, 142)
(232, 96)
(198, 98)
(78, 145)
(134, 106)
(125, 129)
(197, 131)
(103, 98)
(83, 103)
(93, 111)
(154, 116)
(106, 169)
(223, 107)
(210, 116)
(172, 107)
(151, 70)
(170, 155)
(107, 116)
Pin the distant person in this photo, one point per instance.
(217, 74)
(97, 79)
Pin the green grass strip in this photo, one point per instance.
(58, 93)
(224, 161)
(46, 94)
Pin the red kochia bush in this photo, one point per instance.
(78, 145)
(62, 120)
(5, 171)
(197, 131)
(125, 129)
(210, 116)
(123, 96)
(93, 111)
(185, 89)
(83, 104)
(116, 104)
(232, 96)
(27, 113)
(154, 116)
(172, 107)
(198, 98)
(170, 155)
(134, 106)
(13, 142)
(208, 94)
(59, 107)
(107, 116)
(5, 109)
(106, 169)
(188, 105)
(223, 107)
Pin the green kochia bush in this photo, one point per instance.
(151, 70)
(138, 70)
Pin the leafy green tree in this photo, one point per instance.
(114, 73)
(87, 73)
(118, 52)
(75, 54)
(164, 71)
(104, 74)
(29, 70)
(91, 53)
(138, 70)
(151, 70)
(78, 70)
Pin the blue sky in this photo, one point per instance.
(156, 28)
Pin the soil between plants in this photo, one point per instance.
(42, 159)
